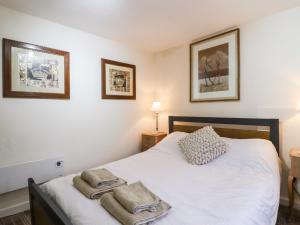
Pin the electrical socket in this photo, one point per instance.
(59, 164)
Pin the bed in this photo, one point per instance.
(240, 187)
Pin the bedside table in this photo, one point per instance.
(150, 139)
(294, 173)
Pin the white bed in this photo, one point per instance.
(239, 188)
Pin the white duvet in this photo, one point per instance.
(240, 187)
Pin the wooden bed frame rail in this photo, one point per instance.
(44, 211)
(273, 124)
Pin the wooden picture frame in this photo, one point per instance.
(118, 80)
(33, 71)
(215, 68)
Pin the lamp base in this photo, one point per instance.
(156, 117)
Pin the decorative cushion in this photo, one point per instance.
(202, 146)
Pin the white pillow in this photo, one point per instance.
(169, 144)
(202, 146)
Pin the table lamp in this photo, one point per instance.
(156, 108)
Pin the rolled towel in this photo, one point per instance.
(94, 193)
(99, 177)
(136, 198)
(126, 218)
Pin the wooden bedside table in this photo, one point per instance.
(294, 173)
(150, 139)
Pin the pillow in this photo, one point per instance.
(170, 143)
(202, 146)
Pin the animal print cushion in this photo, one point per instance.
(202, 146)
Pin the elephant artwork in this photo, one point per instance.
(213, 69)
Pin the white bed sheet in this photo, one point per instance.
(239, 188)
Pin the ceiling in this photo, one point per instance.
(151, 25)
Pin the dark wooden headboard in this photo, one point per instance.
(271, 134)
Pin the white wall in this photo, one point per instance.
(89, 131)
(270, 79)
(86, 130)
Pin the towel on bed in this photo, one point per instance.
(94, 193)
(126, 218)
(136, 198)
(99, 177)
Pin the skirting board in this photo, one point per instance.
(14, 209)
(285, 201)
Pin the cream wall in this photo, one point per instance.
(270, 79)
(85, 130)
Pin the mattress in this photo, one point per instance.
(241, 187)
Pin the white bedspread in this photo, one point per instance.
(239, 188)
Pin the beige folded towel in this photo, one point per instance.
(126, 218)
(94, 193)
(136, 198)
(99, 177)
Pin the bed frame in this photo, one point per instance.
(271, 134)
(44, 211)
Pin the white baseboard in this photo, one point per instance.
(285, 201)
(14, 209)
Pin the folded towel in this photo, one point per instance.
(94, 193)
(136, 198)
(126, 218)
(99, 177)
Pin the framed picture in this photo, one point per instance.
(214, 68)
(118, 80)
(32, 71)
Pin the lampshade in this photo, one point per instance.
(156, 106)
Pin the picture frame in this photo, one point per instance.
(33, 71)
(215, 68)
(118, 80)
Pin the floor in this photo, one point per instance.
(18, 219)
(282, 217)
(24, 218)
